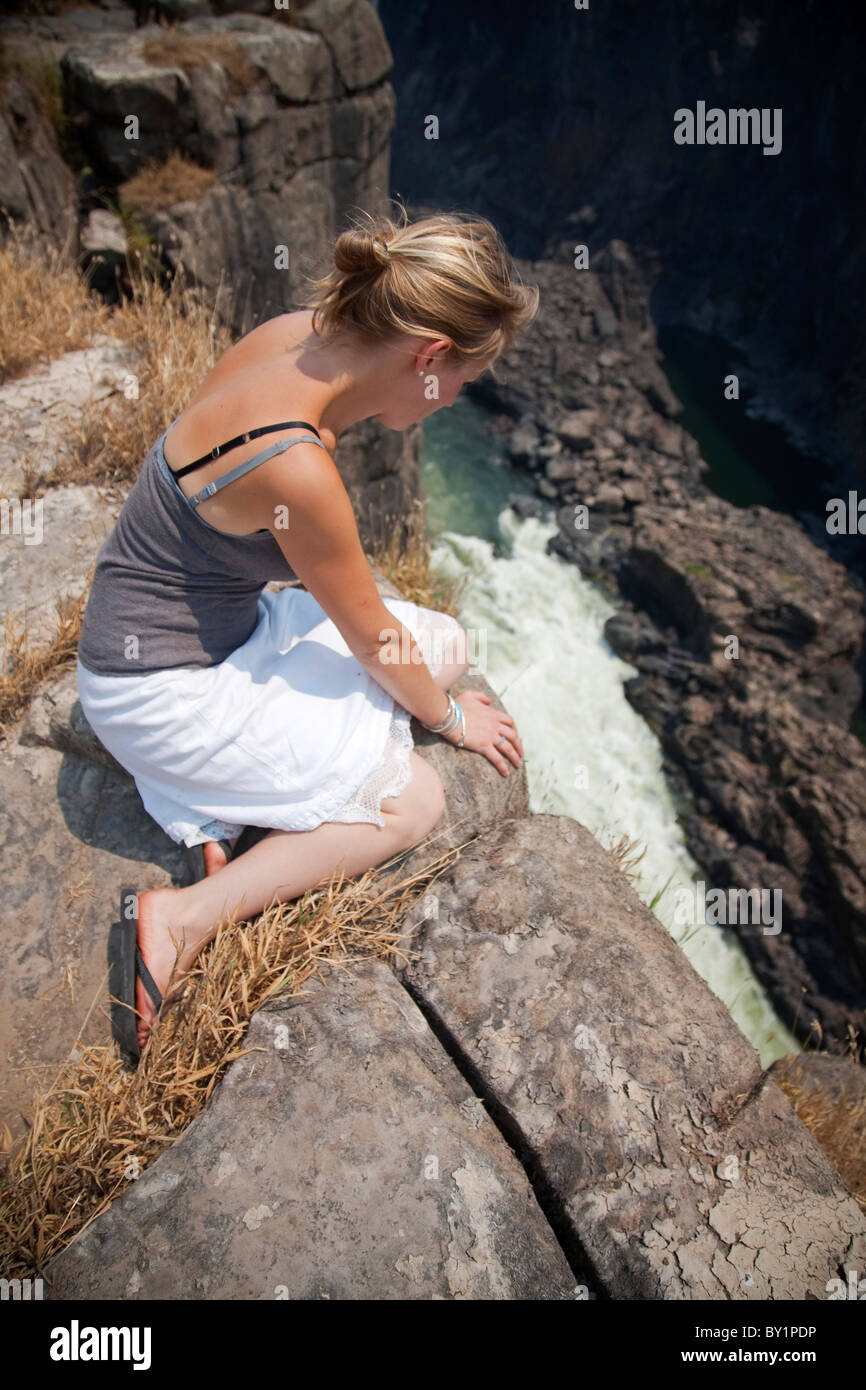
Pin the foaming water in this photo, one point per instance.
(536, 627)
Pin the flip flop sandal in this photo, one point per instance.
(249, 836)
(195, 858)
(126, 967)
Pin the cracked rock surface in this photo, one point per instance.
(668, 1159)
(343, 1157)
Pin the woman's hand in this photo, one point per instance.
(485, 726)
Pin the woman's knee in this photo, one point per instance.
(451, 652)
(421, 805)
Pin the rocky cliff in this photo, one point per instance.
(545, 1100)
(564, 127)
(504, 1121)
(745, 635)
(233, 144)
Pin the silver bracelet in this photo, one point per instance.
(453, 719)
(463, 727)
(444, 724)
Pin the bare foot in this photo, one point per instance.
(157, 919)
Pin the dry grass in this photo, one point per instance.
(46, 307)
(177, 339)
(161, 184)
(838, 1125)
(27, 666)
(405, 561)
(99, 1125)
(625, 857)
(189, 51)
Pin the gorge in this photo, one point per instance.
(586, 1139)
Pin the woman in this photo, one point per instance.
(231, 705)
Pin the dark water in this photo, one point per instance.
(751, 461)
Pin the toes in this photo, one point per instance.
(214, 858)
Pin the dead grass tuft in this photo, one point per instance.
(191, 51)
(27, 666)
(839, 1125)
(46, 308)
(625, 857)
(160, 184)
(99, 1126)
(404, 559)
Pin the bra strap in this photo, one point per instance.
(219, 449)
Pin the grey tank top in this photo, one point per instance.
(169, 589)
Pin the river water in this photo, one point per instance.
(588, 754)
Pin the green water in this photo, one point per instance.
(752, 463)
(466, 475)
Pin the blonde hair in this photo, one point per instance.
(449, 275)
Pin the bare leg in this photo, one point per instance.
(279, 868)
(175, 923)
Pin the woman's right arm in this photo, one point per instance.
(322, 545)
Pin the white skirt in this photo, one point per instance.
(287, 732)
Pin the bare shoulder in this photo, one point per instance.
(262, 347)
(304, 477)
(254, 383)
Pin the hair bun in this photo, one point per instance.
(360, 251)
(447, 276)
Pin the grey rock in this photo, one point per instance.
(69, 525)
(54, 719)
(354, 33)
(562, 467)
(579, 428)
(36, 187)
(525, 506)
(605, 323)
(103, 231)
(72, 834)
(477, 795)
(40, 411)
(678, 1167)
(524, 443)
(343, 1157)
(633, 491)
(610, 498)
(297, 63)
